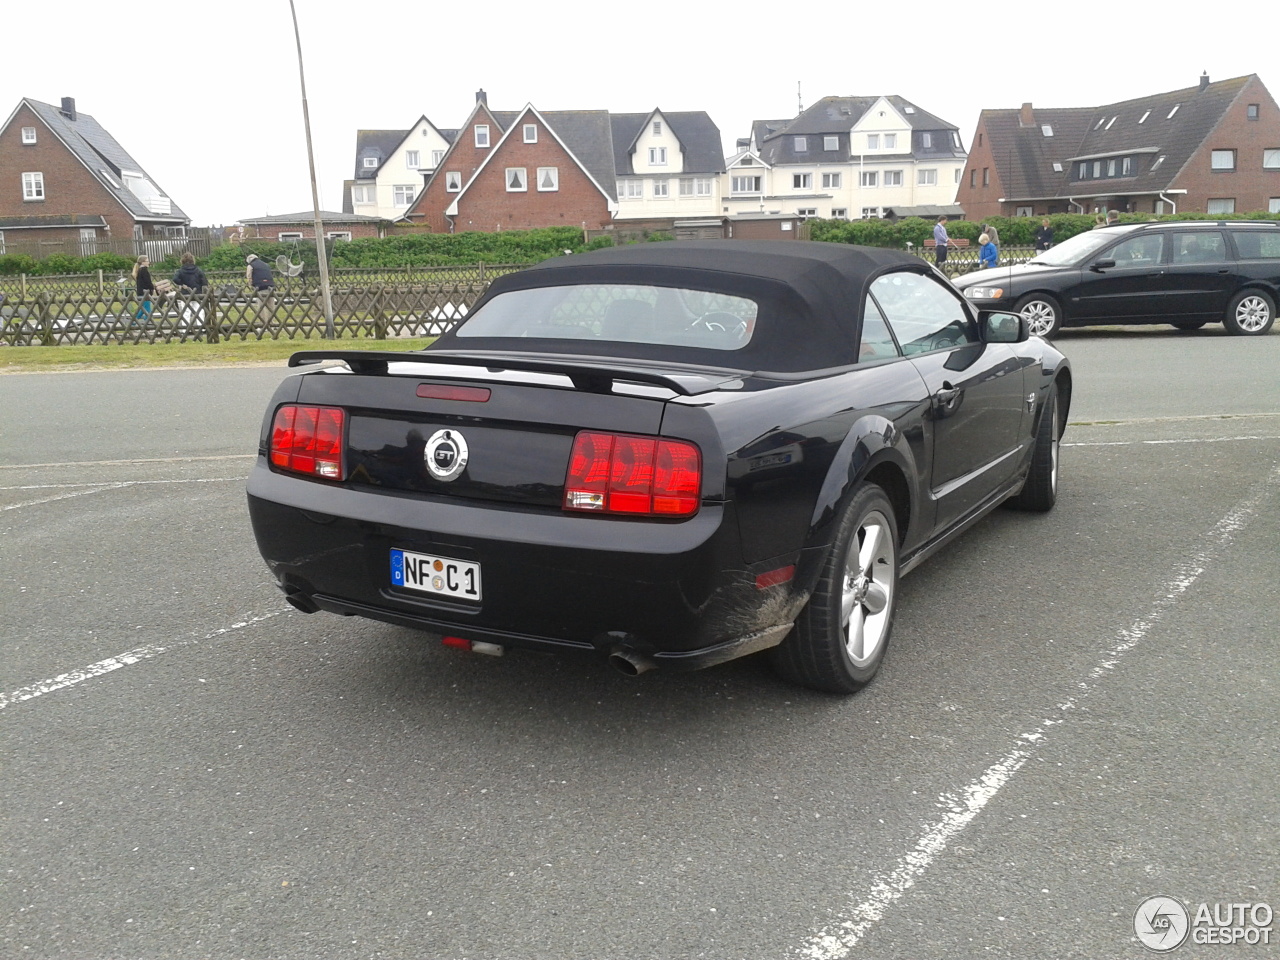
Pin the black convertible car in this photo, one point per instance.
(668, 455)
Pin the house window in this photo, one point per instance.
(893, 178)
(106, 175)
(1271, 158)
(1159, 160)
(1046, 129)
(403, 193)
(873, 141)
(986, 176)
(973, 178)
(830, 143)
(870, 213)
(746, 184)
(927, 178)
(412, 159)
(657, 156)
(802, 144)
(1222, 160)
(1251, 111)
(831, 181)
(28, 134)
(870, 178)
(1222, 205)
(289, 235)
(1111, 167)
(631, 189)
(1144, 117)
(370, 163)
(926, 139)
(957, 173)
(1022, 212)
(807, 211)
(1273, 206)
(661, 189)
(482, 134)
(686, 186)
(657, 128)
(362, 194)
(453, 181)
(1, 241)
(839, 213)
(338, 234)
(516, 180)
(548, 179)
(33, 186)
(436, 157)
(702, 186)
(802, 181)
(1173, 111)
(891, 141)
(1097, 169)
(530, 133)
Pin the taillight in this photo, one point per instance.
(308, 440)
(636, 476)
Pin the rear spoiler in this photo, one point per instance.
(588, 374)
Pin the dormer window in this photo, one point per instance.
(370, 163)
(28, 134)
(802, 144)
(926, 139)
(482, 135)
(1173, 111)
(530, 133)
(657, 156)
(830, 143)
(891, 141)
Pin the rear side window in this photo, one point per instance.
(1199, 247)
(877, 342)
(1257, 244)
(1139, 251)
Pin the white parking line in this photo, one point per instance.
(80, 489)
(965, 804)
(136, 655)
(116, 463)
(1156, 443)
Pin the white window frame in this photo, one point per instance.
(402, 194)
(631, 189)
(927, 177)
(657, 128)
(832, 181)
(869, 179)
(289, 235)
(740, 186)
(516, 179)
(33, 186)
(661, 189)
(657, 156)
(839, 213)
(1024, 212)
(530, 133)
(830, 143)
(1222, 160)
(364, 193)
(1273, 206)
(1226, 205)
(685, 188)
(337, 235)
(870, 213)
(436, 157)
(703, 187)
(891, 141)
(481, 134)
(873, 141)
(802, 181)
(413, 159)
(806, 211)
(453, 181)
(926, 140)
(893, 178)
(554, 174)
(370, 163)
(28, 134)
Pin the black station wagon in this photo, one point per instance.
(666, 455)
(1186, 273)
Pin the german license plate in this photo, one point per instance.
(441, 576)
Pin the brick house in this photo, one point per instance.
(302, 226)
(1212, 148)
(64, 178)
(392, 166)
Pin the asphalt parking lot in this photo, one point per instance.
(1078, 711)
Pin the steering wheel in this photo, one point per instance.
(721, 323)
(952, 335)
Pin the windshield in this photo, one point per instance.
(623, 313)
(1078, 248)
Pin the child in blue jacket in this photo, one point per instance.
(987, 255)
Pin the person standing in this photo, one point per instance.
(258, 274)
(940, 241)
(191, 283)
(988, 255)
(1044, 236)
(144, 288)
(992, 234)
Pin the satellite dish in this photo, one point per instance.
(286, 267)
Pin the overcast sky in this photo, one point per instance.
(205, 96)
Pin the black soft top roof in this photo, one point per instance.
(811, 295)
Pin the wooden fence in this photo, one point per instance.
(156, 248)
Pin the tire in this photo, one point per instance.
(1251, 314)
(840, 638)
(1189, 325)
(1043, 313)
(1040, 490)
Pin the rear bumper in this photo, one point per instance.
(675, 593)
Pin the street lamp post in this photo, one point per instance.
(321, 253)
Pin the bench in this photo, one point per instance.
(958, 242)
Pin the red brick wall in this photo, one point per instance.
(1249, 185)
(69, 188)
(980, 202)
(308, 230)
(465, 158)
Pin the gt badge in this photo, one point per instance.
(446, 454)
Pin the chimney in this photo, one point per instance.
(1027, 118)
(69, 107)
(482, 97)
(1204, 80)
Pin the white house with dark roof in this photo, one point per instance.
(845, 157)
(667, 165)
(64, 177)
(391, 168)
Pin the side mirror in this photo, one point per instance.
(1000, 327)
(1102, 265)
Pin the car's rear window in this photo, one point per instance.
(621, 313)
(1257, 244)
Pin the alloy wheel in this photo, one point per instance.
(866, 605)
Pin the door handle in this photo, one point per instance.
(946, 399)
